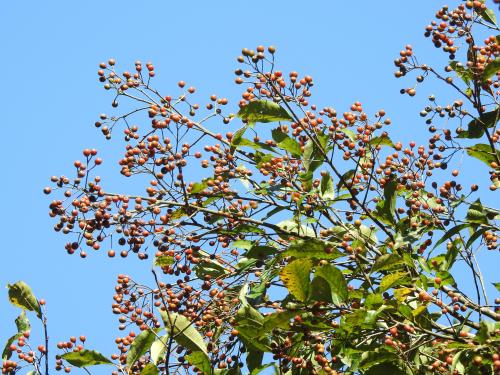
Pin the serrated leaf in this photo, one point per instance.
(150, 369)
(286, 143)
(141, 344)
(20, 295)
(85, 358)
(263, 111)
(312, 248)
(158, 349)
(183, 331)
(295, 276)
(327, 188)
(483, 153)
(385, 369)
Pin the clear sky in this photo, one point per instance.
(51, 97)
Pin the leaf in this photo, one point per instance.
(385, 368)
(386, 261)
(489, 16)
(163, 260)
(475, 128)
(483, 153)
(183, 331)
(497, 286)
(462, 72)
(295, 276)
(326, 187)
(286, 143)
(392, 279)
(259, 369)
(336, 281)
(254, 360)
(476, 213)
(20, 295)
(200, 360)
(486, 328)
(263, 111)
(294, 228)
(260, 252)
(141, 344)
(158, 349)
(387, 207)
(84, 358)
(382, 140)
(23, 325)
(243, 244)
(312, 248)
(150, 369)
(198, 187)
(492, 68)
(450, 233)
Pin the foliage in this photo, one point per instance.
(314, 244)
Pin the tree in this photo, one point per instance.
(315, 244)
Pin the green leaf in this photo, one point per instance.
(20, 295)
(243, 244)
(486, 328)
(85, 358)
(492, 68)
(462, 72)
(163, 260)
(326, 187)
(263, 111)
(497, 286)
(392, 279)
(286, 143)
(158, 349)
(200, 360)
(476, 127)
(312, 248)
(23, 325)
(382, 140)
(150, 369)
(450, 233)
(476, 213)
(141, 344)
(260, 252)
(198, 187)
(254, 360)
(183, 331)
(483, 153)
(385, 368)
(387, 207)
(295, 276)
(386, 261)
(294, 228)
(489, 16)
(259, 369)
(336, 281)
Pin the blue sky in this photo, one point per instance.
(51, 97)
